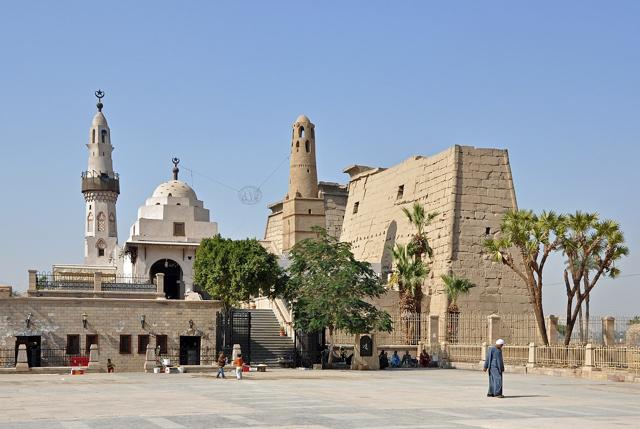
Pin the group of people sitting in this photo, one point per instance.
(406, 362)
(340, 358)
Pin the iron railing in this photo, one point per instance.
(60, 357)
(59, 281)
(128, 284)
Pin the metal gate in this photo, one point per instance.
(232, 328)
(309, 348)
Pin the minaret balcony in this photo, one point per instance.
(92, 181)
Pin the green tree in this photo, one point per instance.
(524, 245)
(417, 216)
(328, 288)
(235, 270)
(592, 248)
(454, 287)
(409, 274)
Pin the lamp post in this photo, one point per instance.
(84, 320)
(142, 319)
(27, 321)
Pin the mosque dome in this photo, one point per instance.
(303, 118)
(175, 188)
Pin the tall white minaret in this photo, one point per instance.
(100, 186)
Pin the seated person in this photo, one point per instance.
(395, 360)
(425, 359)
(383, 359)
(407, 361)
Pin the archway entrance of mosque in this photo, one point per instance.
(172, 277)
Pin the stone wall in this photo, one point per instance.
(470, 189)
(54, 318)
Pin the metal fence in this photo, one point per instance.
(560, 356)
(515, 355)
(627, 358)
(60, 281)
(128, 284)
(408, 329)
(463, 353)
(463, 328)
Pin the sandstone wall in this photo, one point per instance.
(470, 189)
(54, 318)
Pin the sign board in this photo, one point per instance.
(366, 346)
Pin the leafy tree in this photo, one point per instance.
(454, 287)
(328, 288)
(592, 248)
(417, 216)
(235, 270)
(634, 321)
(409, 274)
(524, 245)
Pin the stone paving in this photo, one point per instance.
(313, 400)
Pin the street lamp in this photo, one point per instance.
(84, 320)
(142, 318)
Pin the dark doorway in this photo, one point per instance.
(33, 349)
(189, 350)
(172, 277)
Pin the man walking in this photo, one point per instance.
(222, 361)
(495, 365)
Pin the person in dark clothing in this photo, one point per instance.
(495, 366)
(383, 358)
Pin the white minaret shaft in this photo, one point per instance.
(100, 186)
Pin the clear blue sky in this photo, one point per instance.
(219, 84)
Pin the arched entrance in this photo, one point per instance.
(172, 277)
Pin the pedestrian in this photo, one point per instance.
(238, 363)
(222, 361)
(495, 366)
(110, 366)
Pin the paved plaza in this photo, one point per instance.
(313, 400)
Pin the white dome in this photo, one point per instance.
(99, 119)
(302, 118)
(175, 188)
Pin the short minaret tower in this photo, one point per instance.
(303, 208)
(101, 187)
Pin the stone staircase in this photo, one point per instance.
(266, 343)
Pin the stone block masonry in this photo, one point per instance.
(470, 189)
(54, 318)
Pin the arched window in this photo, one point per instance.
(306, 146)
(112, 225)
(103, 135)
(297, 146)
(301, 132)
(90, 222)
(93, 135)
(101, 247)
(102, 220)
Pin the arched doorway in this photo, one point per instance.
(172, 277)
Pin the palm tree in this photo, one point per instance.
(454, 287)
(409, 274)
(417, 216)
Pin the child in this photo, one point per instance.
(110, 366)
(238, 363)
(222, 361)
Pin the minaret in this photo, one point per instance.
(303, 208)
(100, 186)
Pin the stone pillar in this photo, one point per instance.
(531, 362)
(97, 281)
(552, 329)
(434, 329)
(588, 356)
(493, 328)
(94, 357)
(160, 285)
(608, 331)
(33, 280)
(150, 359)
(236, 351)
(483, 353)
(365, 362)
(22, 363)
